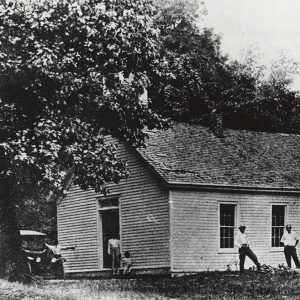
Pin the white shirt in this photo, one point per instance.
(55, 249)
(127, 261)
(289, 239)
(240, 239)
(113, 243)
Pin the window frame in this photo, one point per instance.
(277, 248)
(236, 212)
(108, 207)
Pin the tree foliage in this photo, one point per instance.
(276, 104)
(61, 88)
(195, 79)
(200, 84)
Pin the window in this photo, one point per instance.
(278, 221)
(109, 202)
(227, 224)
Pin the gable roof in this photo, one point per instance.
(192, 154)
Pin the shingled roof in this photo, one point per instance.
(192, 154)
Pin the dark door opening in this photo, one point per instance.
(110, 229)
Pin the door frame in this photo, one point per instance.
(99, 224)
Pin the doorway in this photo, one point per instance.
(110, 229)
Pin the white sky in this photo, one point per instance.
(272, 26)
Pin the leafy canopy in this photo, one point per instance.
(200, 84)
(71, 73)
(196, 78)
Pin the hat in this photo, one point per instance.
(242, 226)
(288, 226)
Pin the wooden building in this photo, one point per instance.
(187, 193)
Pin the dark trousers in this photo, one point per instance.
(290, 251)
(58, 267)
(243, 251)
(115, 252)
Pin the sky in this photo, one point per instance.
(270, 26)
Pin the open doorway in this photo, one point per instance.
(109, 214)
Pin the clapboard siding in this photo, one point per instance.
(144, 220)
(79, 230)
(195, 227)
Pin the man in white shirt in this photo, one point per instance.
(114, 250)
(56, 248)
(57, 260)
(243, 243)
(290, 241)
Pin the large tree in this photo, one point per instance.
(196, 80)
(276, 104)
(71, 73)
(200, 84)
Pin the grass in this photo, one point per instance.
(70, 290)
(214, 285)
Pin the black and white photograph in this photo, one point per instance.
(149, 149)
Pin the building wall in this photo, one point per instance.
(144, 220)
(195, 228)
(77, 226)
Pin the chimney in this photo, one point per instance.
(216, 123)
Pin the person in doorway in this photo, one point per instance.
(243, 243)
(114, 251)
(57, 259)
(290, 241)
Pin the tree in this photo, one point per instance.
(200, 84)
(35, 209)
(196, 80)
(276, 104)
(71, 73)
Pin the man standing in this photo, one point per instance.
(56, 248)
(290, 241)
(57, 259)
(242, 242)
(114, 251)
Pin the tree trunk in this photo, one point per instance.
(13, 263)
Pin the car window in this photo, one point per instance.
(35, 243)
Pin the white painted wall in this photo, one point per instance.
(195, 228)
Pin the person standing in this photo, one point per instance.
(290, 241)
(243, 243)
(114, 251)
(57, 260)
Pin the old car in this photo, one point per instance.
(36, 253)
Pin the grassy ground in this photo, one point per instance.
(252, 285)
